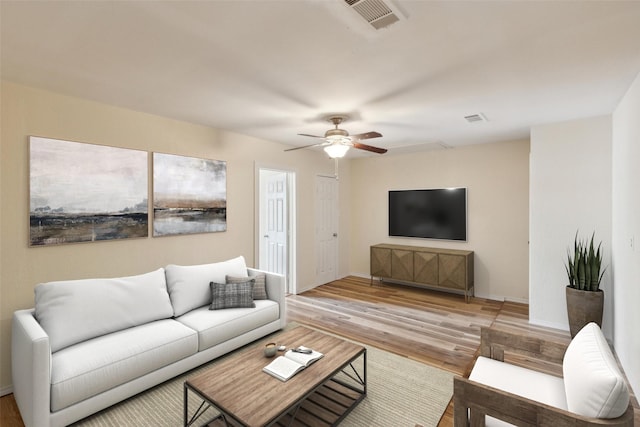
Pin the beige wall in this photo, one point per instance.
(497, 178)
(28, 111)
(496, 175)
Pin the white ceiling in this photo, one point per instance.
(273, 69)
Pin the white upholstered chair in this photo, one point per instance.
(591, 392)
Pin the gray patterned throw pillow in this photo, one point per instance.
(259, 288)
(232, 295)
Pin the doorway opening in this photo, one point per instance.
(276, 225)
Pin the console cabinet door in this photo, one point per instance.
(402, 264)
(380, 261)
(452, 271)
(425, 268)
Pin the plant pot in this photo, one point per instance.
(584, 307)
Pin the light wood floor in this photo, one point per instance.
(436, 328)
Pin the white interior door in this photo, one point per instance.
(326, 229)
(275, 226)
(275, 242)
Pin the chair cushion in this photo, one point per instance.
(523, 382)
(189, 285)
(92, 367)
(534, 385)
(232, 295)
(77, 310)
(594, 385)
(217, 326)
(259, 286)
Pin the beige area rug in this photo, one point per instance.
(400, 392)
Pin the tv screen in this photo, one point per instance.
(432, 214)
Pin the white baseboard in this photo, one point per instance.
(6, 390)
(491, 297)
(545, 324)
(518, 300)
(503, 298)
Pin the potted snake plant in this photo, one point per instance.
(585, 299)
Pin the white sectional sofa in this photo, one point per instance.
(88, 344)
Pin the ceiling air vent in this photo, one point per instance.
(476, 118)
(379, 14)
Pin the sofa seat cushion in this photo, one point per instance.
(188, 285)
(91, 367)
(74, 311)
(217, 326)
(538, 386)
(594, 385)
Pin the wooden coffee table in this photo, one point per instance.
(322, 394)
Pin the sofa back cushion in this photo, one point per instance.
(77, 310)
(189, 285)
(594, 385)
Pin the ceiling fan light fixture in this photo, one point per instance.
(338, 139)
(336, 151)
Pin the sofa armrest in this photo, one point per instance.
(473, 401)
(276, 290)
(494, 342)
(30, 368)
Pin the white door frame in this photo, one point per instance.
(291, 221)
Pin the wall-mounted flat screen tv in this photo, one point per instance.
(432, 214)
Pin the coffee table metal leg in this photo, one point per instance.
(185, 405)
(199, 411)
(364, 373)
(295, 413)
(204, 406)
(356, 377)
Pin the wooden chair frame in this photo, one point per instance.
(472, 401)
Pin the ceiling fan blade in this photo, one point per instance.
(312, 136)
(366, 135)
(369, 148)
(306, 146)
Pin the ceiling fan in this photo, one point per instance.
(338, 141)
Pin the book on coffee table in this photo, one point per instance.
(289, 364)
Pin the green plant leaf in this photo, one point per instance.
(584, 268)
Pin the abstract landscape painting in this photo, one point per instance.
(189, 195)
(85, 192)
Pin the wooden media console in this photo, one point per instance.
(447, 269)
